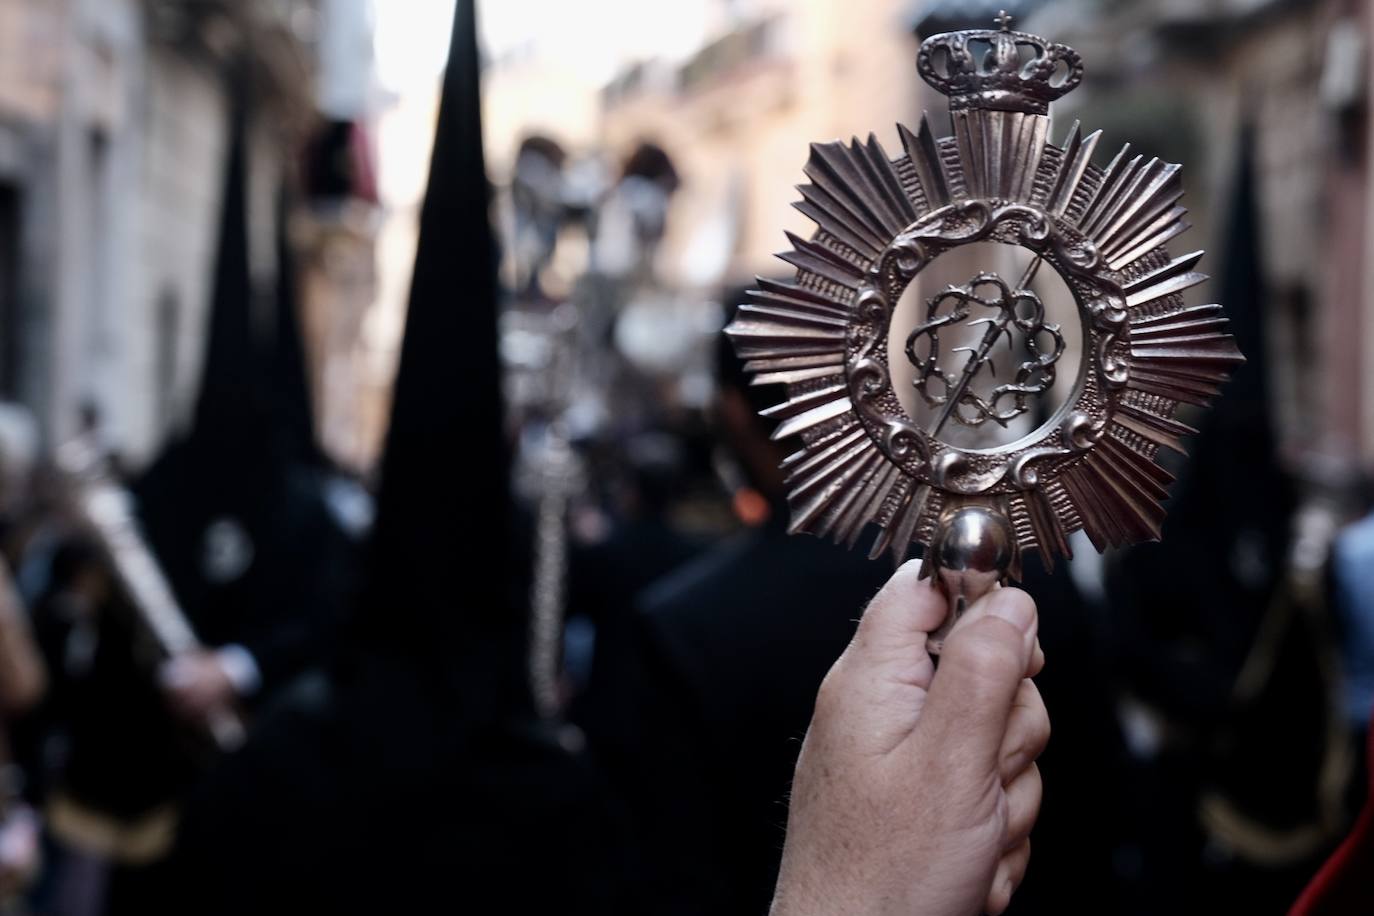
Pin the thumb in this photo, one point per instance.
(891, 637)
(873, 694)
(984, 661)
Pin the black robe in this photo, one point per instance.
(700, 721)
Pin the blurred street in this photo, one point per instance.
(384, 514)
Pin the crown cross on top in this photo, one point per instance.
(999, 69)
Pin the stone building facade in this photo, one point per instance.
(113, 119)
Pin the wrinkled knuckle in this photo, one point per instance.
(1037, 785)
(986, 649)
(1040, 737)
(829, 695)
(1010, 595)
(1018, 756)
(999, 898)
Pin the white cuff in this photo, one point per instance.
(241, 668)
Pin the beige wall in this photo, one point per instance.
(113, 134)
(841, 69)
(181, 181)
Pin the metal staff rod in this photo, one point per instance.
(104, 510)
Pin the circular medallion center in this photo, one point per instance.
(982, 359)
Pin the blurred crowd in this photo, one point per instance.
(557, 649)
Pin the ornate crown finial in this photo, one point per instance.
(983, 68)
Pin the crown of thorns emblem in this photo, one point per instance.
(954, 397)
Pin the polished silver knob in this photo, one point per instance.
(971, 551)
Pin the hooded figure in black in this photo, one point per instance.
(412, 776)
(1208, 603)
(234, 513)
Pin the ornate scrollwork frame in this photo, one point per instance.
(1076, 426)
(879, 223)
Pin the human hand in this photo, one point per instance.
(197, 685)
(916, 789)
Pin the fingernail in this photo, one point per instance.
(1012, 607)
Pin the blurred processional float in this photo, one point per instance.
(835, 337)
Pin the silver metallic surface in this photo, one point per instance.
(1033, 378)
(1093, 465)
(548, 587)
(972, 551)
(560, 476)
(982, 68)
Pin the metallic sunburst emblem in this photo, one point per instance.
(881, 221)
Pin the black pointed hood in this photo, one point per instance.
(230, 399)
(236, 522)
(1233, 485)
(292, 405)
(1189, 607)
(227, 466)
(438, 583)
